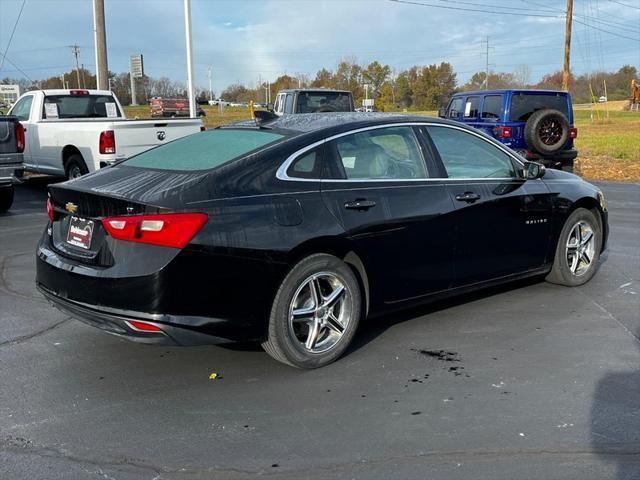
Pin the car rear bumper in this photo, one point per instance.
(118, 322)
(11, 172)
(563, 156)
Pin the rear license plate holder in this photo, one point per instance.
(80, 232)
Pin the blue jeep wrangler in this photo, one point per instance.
(538, 124)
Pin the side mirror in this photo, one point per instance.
(442, 113)
(270, 106)
(533, 170)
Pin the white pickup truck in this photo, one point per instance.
(73, 132)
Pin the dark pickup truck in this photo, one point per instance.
(312, 100)
(11, 167)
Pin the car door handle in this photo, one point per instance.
(468, 197)
(360, 204)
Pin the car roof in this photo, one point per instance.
(334, 122)
(504, 90)
(312, 90)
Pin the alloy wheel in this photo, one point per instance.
(581, 247)
(550, 132)
(320, 312)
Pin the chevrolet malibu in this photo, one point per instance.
(294, 231)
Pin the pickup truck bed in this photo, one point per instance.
(11, 167)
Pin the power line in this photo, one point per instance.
(408, 2)
(605, 31)
(625, 4)
(12, 32)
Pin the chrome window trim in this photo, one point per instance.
(281, 173)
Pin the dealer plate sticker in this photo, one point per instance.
(80, 232)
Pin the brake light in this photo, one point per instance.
(107, 142)
(78, 93)
(573, 133)
(51, 213)
(143, 326)
(20, 139)
(167, 230)
(504, 132)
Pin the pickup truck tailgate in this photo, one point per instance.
(136, 136)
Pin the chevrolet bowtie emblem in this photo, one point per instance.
(71, 207)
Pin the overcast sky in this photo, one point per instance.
(243, 40)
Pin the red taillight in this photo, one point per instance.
(143, 326)
(167, 230)
(78, 93)
(50, 211)
(504, 132)
(573, 133)
(108, 142)
(20, 142)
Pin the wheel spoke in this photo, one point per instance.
(585, 258)
(574, 263)
(312, 336)
(334, 297)
(304, 314)
(334, 324)
(316, 293)
(587, 238)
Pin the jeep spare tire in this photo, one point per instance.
(546, 131)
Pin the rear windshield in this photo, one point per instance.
(202, 151)
(524, 104)
(311, 102)
(80, 106)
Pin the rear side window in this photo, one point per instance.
(492, 107)
(525, 104)
(471, 107)
(203, 151)
(80, 106)
(384, 153)
(306, 166)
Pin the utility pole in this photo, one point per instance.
(210, 90)
(566, 70)
(75, 49)
(187, 32)
(486, 75)
(100, 39)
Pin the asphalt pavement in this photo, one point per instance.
(528, 381)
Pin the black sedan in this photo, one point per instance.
(296, 230)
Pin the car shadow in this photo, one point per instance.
(372, 328)
(615, 421)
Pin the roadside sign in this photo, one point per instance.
(367, 102)
(9, 93)
(136, 66)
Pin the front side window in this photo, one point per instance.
(471, 107)
(383, 153)
(492, 107)
(22, 108)
(466, 155)
(289, 103)
(203, 151)
(454, 108)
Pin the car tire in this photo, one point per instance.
(547, 131)
(325, 321)
(6, 198)
(75, 167)
(578, 249)
(567, 166)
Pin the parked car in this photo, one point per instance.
(11, 166)
(307, 100)
(538, 124)
(73, 132)
(172, 107)
(295, 231)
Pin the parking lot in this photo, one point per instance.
(529, 381)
